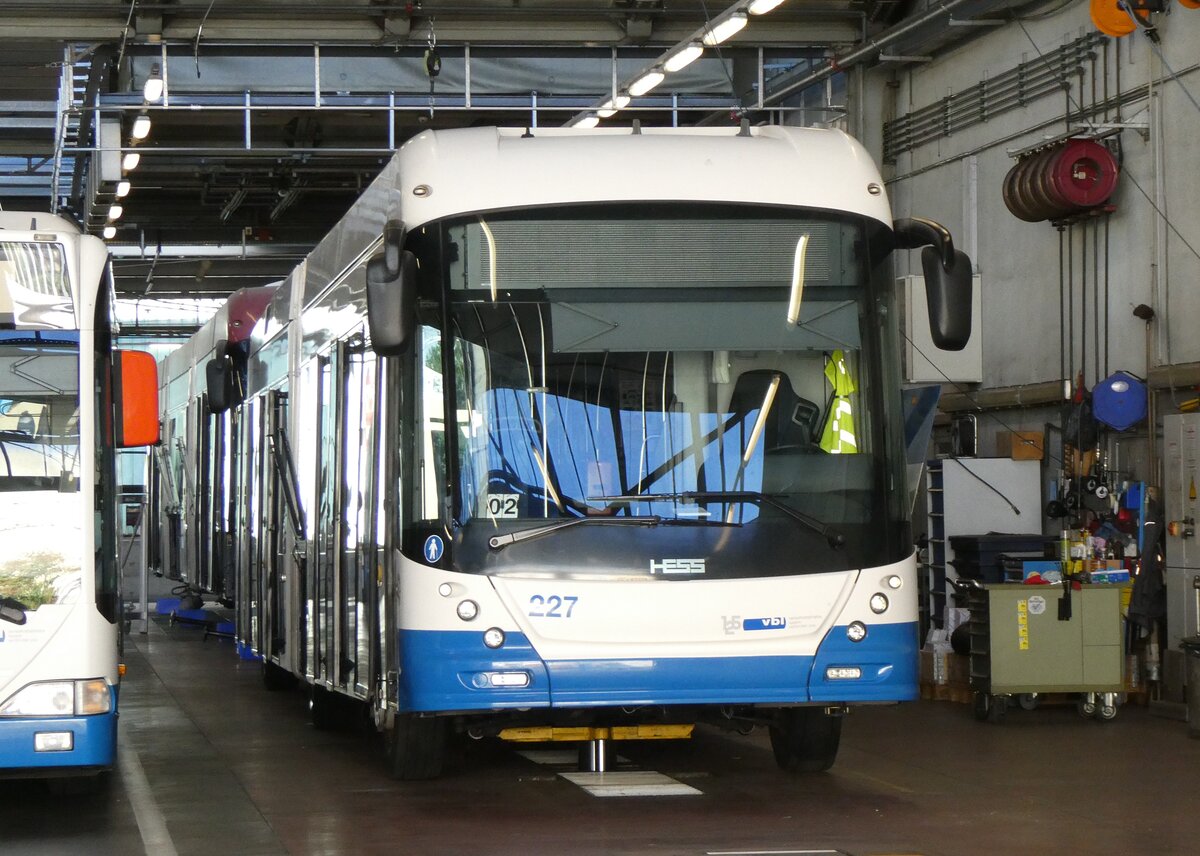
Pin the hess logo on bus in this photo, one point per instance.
(677, 566)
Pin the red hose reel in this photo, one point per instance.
(1061, 181)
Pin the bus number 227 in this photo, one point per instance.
(552, 606)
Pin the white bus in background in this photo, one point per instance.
(194, 479)
(591, 435)
(67, 402)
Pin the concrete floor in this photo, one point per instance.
(211, 763)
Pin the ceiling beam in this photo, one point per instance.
(807, 23)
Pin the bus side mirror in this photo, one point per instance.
(12, 610)
(391, 302)
(135, 394)
(222, 381)
(948, 294)
(216, 378)
(947, 280)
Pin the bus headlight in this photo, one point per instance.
(468, 610)
(879, 603)
(60, 698)
(493, 637)
(856, 631)
(894, 581)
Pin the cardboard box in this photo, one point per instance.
(934, 667)
(958, 670)
(1020, 445)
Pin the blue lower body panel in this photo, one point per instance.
(445, 671)
(679, 680)
(441, 670)
(95, 742)
(887, 658)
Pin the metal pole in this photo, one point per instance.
(392, 120)
(317, 76)
(246, 121)
(1062, 316)
(467, 76)
(145, 556)
(597, 756)
(166, 96)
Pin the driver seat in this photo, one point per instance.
(793, 422)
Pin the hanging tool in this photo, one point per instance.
(433, 63)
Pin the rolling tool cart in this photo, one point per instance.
(1027, 641)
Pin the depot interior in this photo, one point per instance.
(211, 145)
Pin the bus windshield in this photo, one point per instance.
(39, 466)
(707, 370)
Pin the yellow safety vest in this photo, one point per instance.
(838, 436)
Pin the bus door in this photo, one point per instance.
(389, 467)
(284, 551)
(152, 515)
(243, 498)
(196, 519)
(213, 539)
(310, 461)
(319, 380)
(357, 479)
(168, 455)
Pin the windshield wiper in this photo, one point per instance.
(832, 536)
(497, 542)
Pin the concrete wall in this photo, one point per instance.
(1148, 260)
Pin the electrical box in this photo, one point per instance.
(965, 366)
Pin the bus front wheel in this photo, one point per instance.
(415, 747)
(805, 739)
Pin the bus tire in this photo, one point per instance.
(415, 747)
(276, 678)
(805, 739)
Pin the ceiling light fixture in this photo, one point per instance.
(589, 120)
(762, 7)
(141, 126)
(683, 57)
(115, 211)
(122, 190)
(130, 161)
(722, 30)
(110, 232)
(610, 107)
(646, 82)
(152, 91)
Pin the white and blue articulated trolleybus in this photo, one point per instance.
(590, 435)
(194, 492)
(67, 402)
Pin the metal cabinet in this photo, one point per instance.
(1031, 640)
(1181, 475)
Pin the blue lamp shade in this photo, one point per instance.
(1119, 401)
